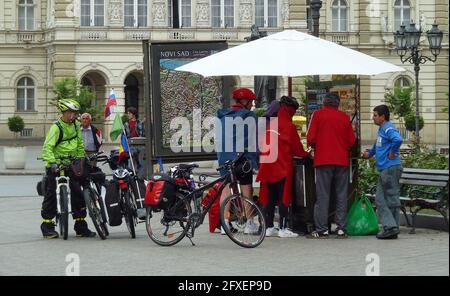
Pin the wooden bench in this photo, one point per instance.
(422, 189)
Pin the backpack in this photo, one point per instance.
(112, 203)
(61, 134)
(160, 192)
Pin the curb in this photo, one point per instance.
(23, 173)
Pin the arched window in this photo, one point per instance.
(182, 18)
(135, 13)
(222, 13)
(25, 94)
(402, 82)
(266, 13)
(339, 16)
(93, 13)
(26, 15)
(402, 14)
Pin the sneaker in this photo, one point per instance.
(389, 234)
(48, 230)
(341, 234)
(285, 233)
(251, 227)
(232, 229)
(319, 234)
(271, 231)
(82, 230)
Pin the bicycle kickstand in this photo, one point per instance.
(190, 236)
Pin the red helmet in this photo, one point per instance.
(243, 93)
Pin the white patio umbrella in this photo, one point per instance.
(289, 53)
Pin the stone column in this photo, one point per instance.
(441, 68)
(293, 14)
(67, 12)
(64, 58)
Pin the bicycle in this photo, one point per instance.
(92, 188)
(167, 227)
(63, 198)
(127, 197)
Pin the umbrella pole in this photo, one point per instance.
(290, 86)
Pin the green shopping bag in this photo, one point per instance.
(361, 219)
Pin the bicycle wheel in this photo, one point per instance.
(94, 211)
(64, 212)
(168, 227)
(129, 215)
(247, 226)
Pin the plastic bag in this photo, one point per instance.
(362, 219)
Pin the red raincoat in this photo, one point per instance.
(288, 146)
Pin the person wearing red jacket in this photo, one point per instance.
(331, 136)
(276, 176)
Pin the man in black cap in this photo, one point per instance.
(331, 136)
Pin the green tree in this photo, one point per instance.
(16, 125)
(410, 122)
(399, 101)
(70, 87)
(401, 104)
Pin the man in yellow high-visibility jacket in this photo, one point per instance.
(63, 139)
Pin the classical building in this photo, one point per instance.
(99, 41)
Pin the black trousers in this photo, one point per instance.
(48, 210)
(276, 195)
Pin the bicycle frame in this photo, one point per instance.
(229, 179)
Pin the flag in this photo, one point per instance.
(123, 148)
(116, 128)
(111, 102)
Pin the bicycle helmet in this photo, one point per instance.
(68, 105)
(244, 93)
(289, 102)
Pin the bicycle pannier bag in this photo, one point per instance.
(160, 192)
(139, 195)
(112, 203)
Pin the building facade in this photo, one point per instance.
(100, 42)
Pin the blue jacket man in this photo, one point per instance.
(386, 152)
(238, 133)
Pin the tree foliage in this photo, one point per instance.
(71, 88)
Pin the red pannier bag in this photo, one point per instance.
(214, 212)
(160, 191)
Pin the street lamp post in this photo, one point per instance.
(315, 6)
(407, 40)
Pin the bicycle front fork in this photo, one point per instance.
(65, 183)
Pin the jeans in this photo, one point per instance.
(387, 196)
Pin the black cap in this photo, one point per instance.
(289, 101)
(331, 99)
